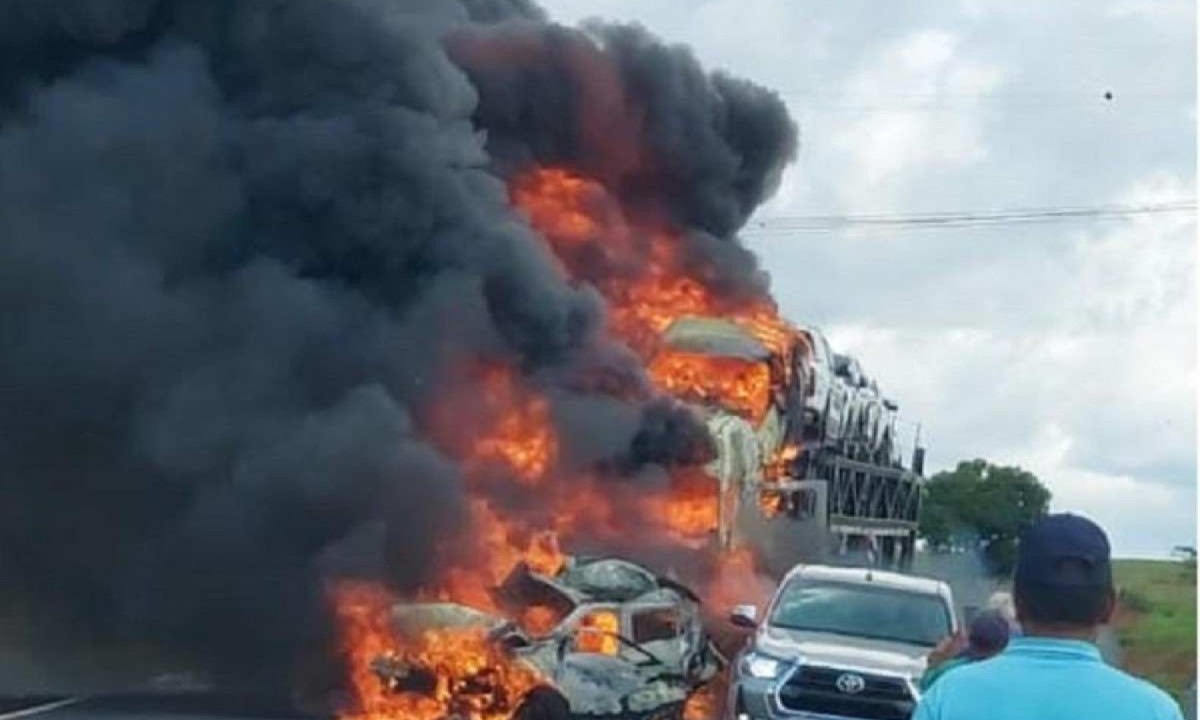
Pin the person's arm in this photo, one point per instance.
(935, 661)
(949, 647)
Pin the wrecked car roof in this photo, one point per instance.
(610, 580)
(581, 581)
(714, 336)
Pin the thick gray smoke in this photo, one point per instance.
(643, 118)
(240, 243)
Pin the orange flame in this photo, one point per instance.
(770, 503)
(780, 466)
(702, 704)
(688, 510)
(648, 285)
(457, 672)
(498, 544)
(503, 425)
(522, 500)
(645, 281)
(522, 437)
(739, 386)
(637, 269)
(539, 620)
(598, 633)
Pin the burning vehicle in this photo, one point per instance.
(806, 462)
(751, 398)
(602, 638)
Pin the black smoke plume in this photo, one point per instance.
(240, 242)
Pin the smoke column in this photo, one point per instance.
(242, 241)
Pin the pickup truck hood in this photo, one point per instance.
(816, 648)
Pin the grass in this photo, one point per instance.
(1156, 623)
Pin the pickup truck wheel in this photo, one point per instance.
(543, 703)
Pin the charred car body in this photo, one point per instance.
(620, 642)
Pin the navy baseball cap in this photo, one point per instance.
(1064, 550)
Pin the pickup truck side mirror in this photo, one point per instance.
(744, 616)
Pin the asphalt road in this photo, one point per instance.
(158, 707)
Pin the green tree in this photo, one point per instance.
(982, 507)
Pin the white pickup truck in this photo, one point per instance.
(838, 643)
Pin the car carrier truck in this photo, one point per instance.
(810, 470)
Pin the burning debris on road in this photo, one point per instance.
(357, 291)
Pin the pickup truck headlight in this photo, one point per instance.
(763, 667)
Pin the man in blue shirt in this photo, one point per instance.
(1063, 591)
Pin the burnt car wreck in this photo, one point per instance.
(605, 638)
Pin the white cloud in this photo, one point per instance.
(881, 147)
(1160, 12)
(1142, 519)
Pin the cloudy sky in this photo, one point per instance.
(1067, 348)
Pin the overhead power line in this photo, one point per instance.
(787, 224)
(1148, 99)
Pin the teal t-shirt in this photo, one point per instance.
(934, 673)
(1044, 679)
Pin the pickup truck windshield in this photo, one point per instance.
(861, 611)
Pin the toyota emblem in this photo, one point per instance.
(850, 683)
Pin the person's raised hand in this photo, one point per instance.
(950, 646)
